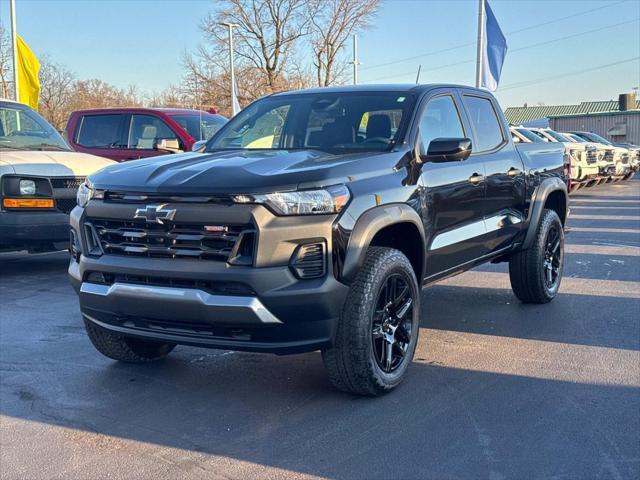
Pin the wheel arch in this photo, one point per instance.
(397, 226)
(550, 194)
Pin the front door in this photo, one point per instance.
(454, 192)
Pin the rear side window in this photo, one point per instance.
(485, 122)
(147, 130)
(100, 131)
(440, 120)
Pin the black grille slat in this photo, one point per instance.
(67, 182)
(167, 240)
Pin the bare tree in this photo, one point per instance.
(6, 59)
(57, 88)
(266, 35)
(333, 24)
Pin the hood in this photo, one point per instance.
(242, 171)
(53, 164)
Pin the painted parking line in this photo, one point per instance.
(611, 250)
(634, 231)
(602, 200)
(570, 285)
(600, 207)
(605, 217)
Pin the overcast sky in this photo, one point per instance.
(139, 42)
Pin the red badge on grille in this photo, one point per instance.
(215, 228)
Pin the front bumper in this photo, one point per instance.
(184, 301)
(33, 230)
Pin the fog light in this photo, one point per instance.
(27, 187)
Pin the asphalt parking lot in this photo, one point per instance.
(498, 390)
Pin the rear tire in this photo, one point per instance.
(126, 349)
(536, 273)
(378, 330)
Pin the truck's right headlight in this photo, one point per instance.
(304, 202)
(86, 192)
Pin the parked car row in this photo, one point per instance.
(591, 159)
(40, 172)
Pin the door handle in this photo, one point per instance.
(513, 172)
(476, 179)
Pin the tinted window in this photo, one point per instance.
(100, 131)
(440, 120)
(146, 131)
(324, 121)
(200, 127)
(485, 123)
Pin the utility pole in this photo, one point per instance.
(355, 60)
(234, 101)
(480, 43)
(14, 47)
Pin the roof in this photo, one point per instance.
(166, 111)
(364, 87)
(518, 115)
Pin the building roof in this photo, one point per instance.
(518, 115)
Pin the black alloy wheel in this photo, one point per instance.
(392, 323)
(552, 260)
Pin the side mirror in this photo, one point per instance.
(168, 145)
(447, 150)
(196, 147)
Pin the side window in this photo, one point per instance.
(146, 130)
(440, 119)
(99, 131)
(485, 123)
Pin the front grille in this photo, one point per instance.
(65, 204)
(625, 158)
(232, 243)
(67, 182)
(592, 156)
(608, 155)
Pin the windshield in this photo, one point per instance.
(199, 127)
(23, 129)
(595, 138)
(575, 138)
(558, 136)
(529, 135)
(336, 122)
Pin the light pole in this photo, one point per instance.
(234, 101)
(14, 49)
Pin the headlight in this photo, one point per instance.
(27, 187)
(86, 192)
(305, 202)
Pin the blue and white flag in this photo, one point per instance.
(494, 49)
(235, 105)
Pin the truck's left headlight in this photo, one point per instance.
(86, 192)
(304, 202)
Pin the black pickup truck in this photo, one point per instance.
(311, 221)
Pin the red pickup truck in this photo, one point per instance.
(132, 133)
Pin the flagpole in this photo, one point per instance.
(231, 68)
(480, 43)
(14, 47)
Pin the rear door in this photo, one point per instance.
(454, 192)
(102, 134)
(504, 184)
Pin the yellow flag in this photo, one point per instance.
(28, 81)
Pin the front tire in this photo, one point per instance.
(536, 273)
(378, 330)
(126, 349)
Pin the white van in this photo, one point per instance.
(39, 178)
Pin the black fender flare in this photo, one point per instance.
(368, 225)
(542, 192)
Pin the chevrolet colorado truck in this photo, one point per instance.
(311, 221)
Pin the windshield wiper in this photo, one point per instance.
(11, 147)
(45, 146)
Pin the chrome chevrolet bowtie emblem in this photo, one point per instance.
(155, 213)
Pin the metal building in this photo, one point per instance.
(618, 121)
